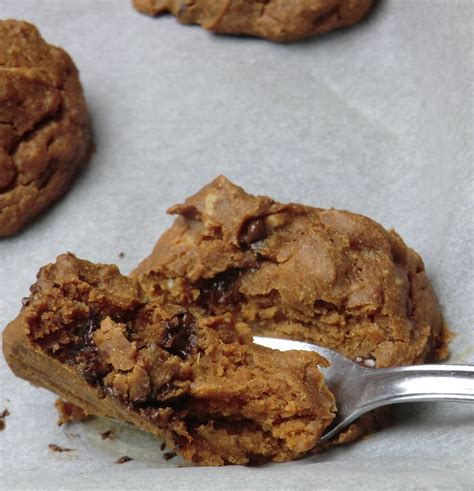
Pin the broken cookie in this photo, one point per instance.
(88, 334)
(44, 129)
(275, 20)
(330, 277)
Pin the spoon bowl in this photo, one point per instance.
(359, 389)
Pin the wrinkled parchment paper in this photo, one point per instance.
(377, 119)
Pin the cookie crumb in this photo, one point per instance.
(108, 435)
(123, 459)
(121, 255)
(3, 415)
(69, 413)
(163, 446)
(169, 455)
(57, 448)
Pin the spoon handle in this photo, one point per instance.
(418, 383)
(385, 386)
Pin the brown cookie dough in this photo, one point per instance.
(331, 277)
(88, 334)
(44, 128)
(69, 413)
(276, 20)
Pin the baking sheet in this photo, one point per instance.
(377, 119)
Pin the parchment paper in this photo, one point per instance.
(377, 119)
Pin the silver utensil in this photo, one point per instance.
(359, 389)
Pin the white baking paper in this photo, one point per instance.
(377, 119)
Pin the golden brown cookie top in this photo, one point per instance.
(276, 20)
(44, 134)
(329, 276)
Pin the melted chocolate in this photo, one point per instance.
(253, 231)
(180, 336)
(223, 289)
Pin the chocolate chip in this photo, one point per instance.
(25, 301)
(254, 230)
(91, 325)
(222, 289)
(83, 353)
(180, 336)
(169, 455)
(91, 365)
(163, 446)
(187, 320)
(323, 305)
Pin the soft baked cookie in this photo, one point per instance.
(276, 20)
(330, 277)
(44, 128)
(170, 349)
(87, 333)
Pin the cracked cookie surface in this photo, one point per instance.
(44, 128)
(276, 20)
(331, 277)
(87, 333)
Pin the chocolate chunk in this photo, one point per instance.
(254, 230)
(83, 352)
(90, 326)
(163, 446)
(223, 289)
(180, 337)
(169, 455)
(123, 459)
(323, 305)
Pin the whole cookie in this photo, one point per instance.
(44, 128)
(276, 20)
(331, 277)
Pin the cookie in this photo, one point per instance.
(275, 20)
(44, 129)
(87, 333)
(330, 277)
(170, 349)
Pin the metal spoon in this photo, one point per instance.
(359, 389)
